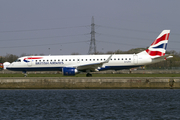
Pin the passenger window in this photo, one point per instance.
(126, 59)
(129, 58)
(114, 58)
(118, 59)
(94, 59)
(89, 59)
(73, 59)
(122, 58)
(81, 59)
(69, 59)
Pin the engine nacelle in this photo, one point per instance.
(69, 71)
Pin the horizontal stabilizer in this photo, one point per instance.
(163, 57)
(158, 59)
(169, 57)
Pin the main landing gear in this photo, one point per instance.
(88, 75)
(25, 73)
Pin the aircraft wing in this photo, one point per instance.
(93, 66)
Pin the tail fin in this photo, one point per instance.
(158, 47)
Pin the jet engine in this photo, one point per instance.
(69, 71)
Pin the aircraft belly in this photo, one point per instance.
(118, 67)
(36, 69)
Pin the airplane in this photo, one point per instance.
(72, 64)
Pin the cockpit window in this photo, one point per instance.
(18, 60)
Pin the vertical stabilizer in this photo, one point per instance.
(158, 47)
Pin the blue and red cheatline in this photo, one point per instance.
(30, 58)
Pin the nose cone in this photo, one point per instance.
(9, 67)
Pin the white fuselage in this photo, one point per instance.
(47, 63)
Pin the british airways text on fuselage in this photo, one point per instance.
(46, 63)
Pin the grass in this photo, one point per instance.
(94, 75)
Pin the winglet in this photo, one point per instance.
(108, 59)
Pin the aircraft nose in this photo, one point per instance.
(9, 66)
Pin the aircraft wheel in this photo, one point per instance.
(25, 74)
(88, 75)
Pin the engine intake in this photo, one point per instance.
(69, 71)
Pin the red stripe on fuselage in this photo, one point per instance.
(35, 58)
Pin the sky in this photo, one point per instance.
(63, 27)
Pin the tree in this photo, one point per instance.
(10, 58)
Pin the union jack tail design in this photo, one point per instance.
(158, 47)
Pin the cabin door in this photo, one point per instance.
(30, 61)
(135, 59)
